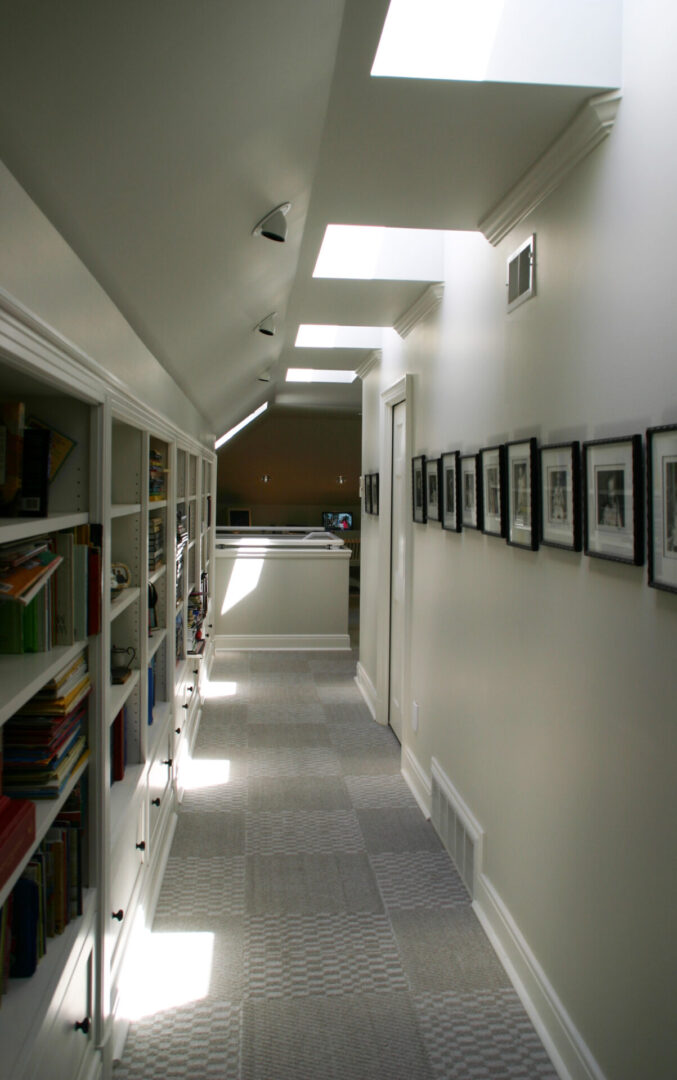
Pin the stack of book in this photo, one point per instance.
(46, 739)
(195, 619)
(156, 477)
(17, 833)
(156, 544)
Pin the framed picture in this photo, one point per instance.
(522, 493)
(471, 492)
(662, 485)
(432, 488)
(418, 489)
(612, 499)
(492, 484)
(367, 494)
(450, 469)
(374, 493)
(561, 496)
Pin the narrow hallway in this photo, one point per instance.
(332, 934)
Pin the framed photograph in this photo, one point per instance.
(418, 489)
(450, 469)
(432, 488)
(374, 493)
(492, 485)
(471, 492)
(367, 494)
(522, 493)
(612, 499)
(561, 496)
(662, 485)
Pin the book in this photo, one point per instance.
(12, 555)
(17, 833)
(59, 448)
(21, 583)
(12, 424)
(35, 473)
(118, 747)
(24, 947)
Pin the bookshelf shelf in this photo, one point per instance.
(125, 509)
(120, 693)
(157, 504)
(22, 676)
(155, 641)
(15, 529)
(157, 574)
(123, 601)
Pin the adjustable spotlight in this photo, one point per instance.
(274, 225)
(267, 326)
(265, 376)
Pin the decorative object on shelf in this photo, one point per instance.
(560, 482)
(492, 483)
(612, 499)
(522, 493)
(418, 489)
(450, 469)
(471, 492)
(121, 661)
(662, 498)
(120, 577)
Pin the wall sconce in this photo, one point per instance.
(265, 478)
(274, 225)
(341, 480)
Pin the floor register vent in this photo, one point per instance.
(456, 827)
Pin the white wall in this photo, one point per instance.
(40, 271)
(546, 681)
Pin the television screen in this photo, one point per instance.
(336, 520)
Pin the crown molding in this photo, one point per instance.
(369, 363)
(589, 127)
(429, 299)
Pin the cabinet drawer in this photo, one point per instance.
(128, 858)
(159, 783)
(70, 1039)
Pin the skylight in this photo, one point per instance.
(372, 252)
(320, 375)
(548, 42)
(319, 336)
(238, 427)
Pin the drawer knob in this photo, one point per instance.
(196, 671)
(141, 845)
(177, 730)
(83, 1025)
(155, 802)
(169, 762)
(190, 689)
(184, 706)
(119, 915)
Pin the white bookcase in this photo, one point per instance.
(134, 473)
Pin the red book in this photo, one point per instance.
(17, 833)
(119, 746)
(94, 591)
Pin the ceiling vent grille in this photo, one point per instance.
(521, 280)
(456, 827)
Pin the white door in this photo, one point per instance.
(398, 510)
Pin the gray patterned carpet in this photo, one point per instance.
(344, 944)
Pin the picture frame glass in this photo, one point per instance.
(367, 494)
(662, 452)
(469, 491)
(432, 479)
(491, 491)
(450, 485)
(609, 495)
(418, 488)
(559, 496)
(520, 494)
(374, 493)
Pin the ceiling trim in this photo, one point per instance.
(429, 299)
(589, 127)
(367, 365)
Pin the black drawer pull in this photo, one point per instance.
(190, 689)
(141, 845)
(155, 802)
(177, 730)
(83, 1025)
(184, 706)
(169, 762)
(119, 915)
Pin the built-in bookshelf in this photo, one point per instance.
(126, 578)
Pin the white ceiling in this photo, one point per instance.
(155, 135)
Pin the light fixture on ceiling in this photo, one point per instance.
(320, 375)
(266, 375)
(274, 225)
(268, 325)
(341, 480)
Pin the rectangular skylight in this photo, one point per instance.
(319, 375)
(319, 336)
(548, 42)
(238, 427)
(371, 252)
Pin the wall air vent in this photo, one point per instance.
(456, 827)
(521, 280)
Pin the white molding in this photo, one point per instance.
(417, 780)
(589, 127)
(426, 303)
(565, 1045)
(367, 689)
(283, 641)
(367, 365)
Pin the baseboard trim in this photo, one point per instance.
(366, 688)
(415, 776)
(283, 642)
(563, 1042)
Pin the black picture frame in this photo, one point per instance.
(450, 489)
(522, 491)
(661, 471)
(612, 499)
(560, 485)
(419, 507)
(374, 494)
(492, 485)
(432, 488)
(367, 493)
(471, 492)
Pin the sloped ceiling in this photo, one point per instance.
(155, 136)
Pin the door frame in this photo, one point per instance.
(400, 391)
